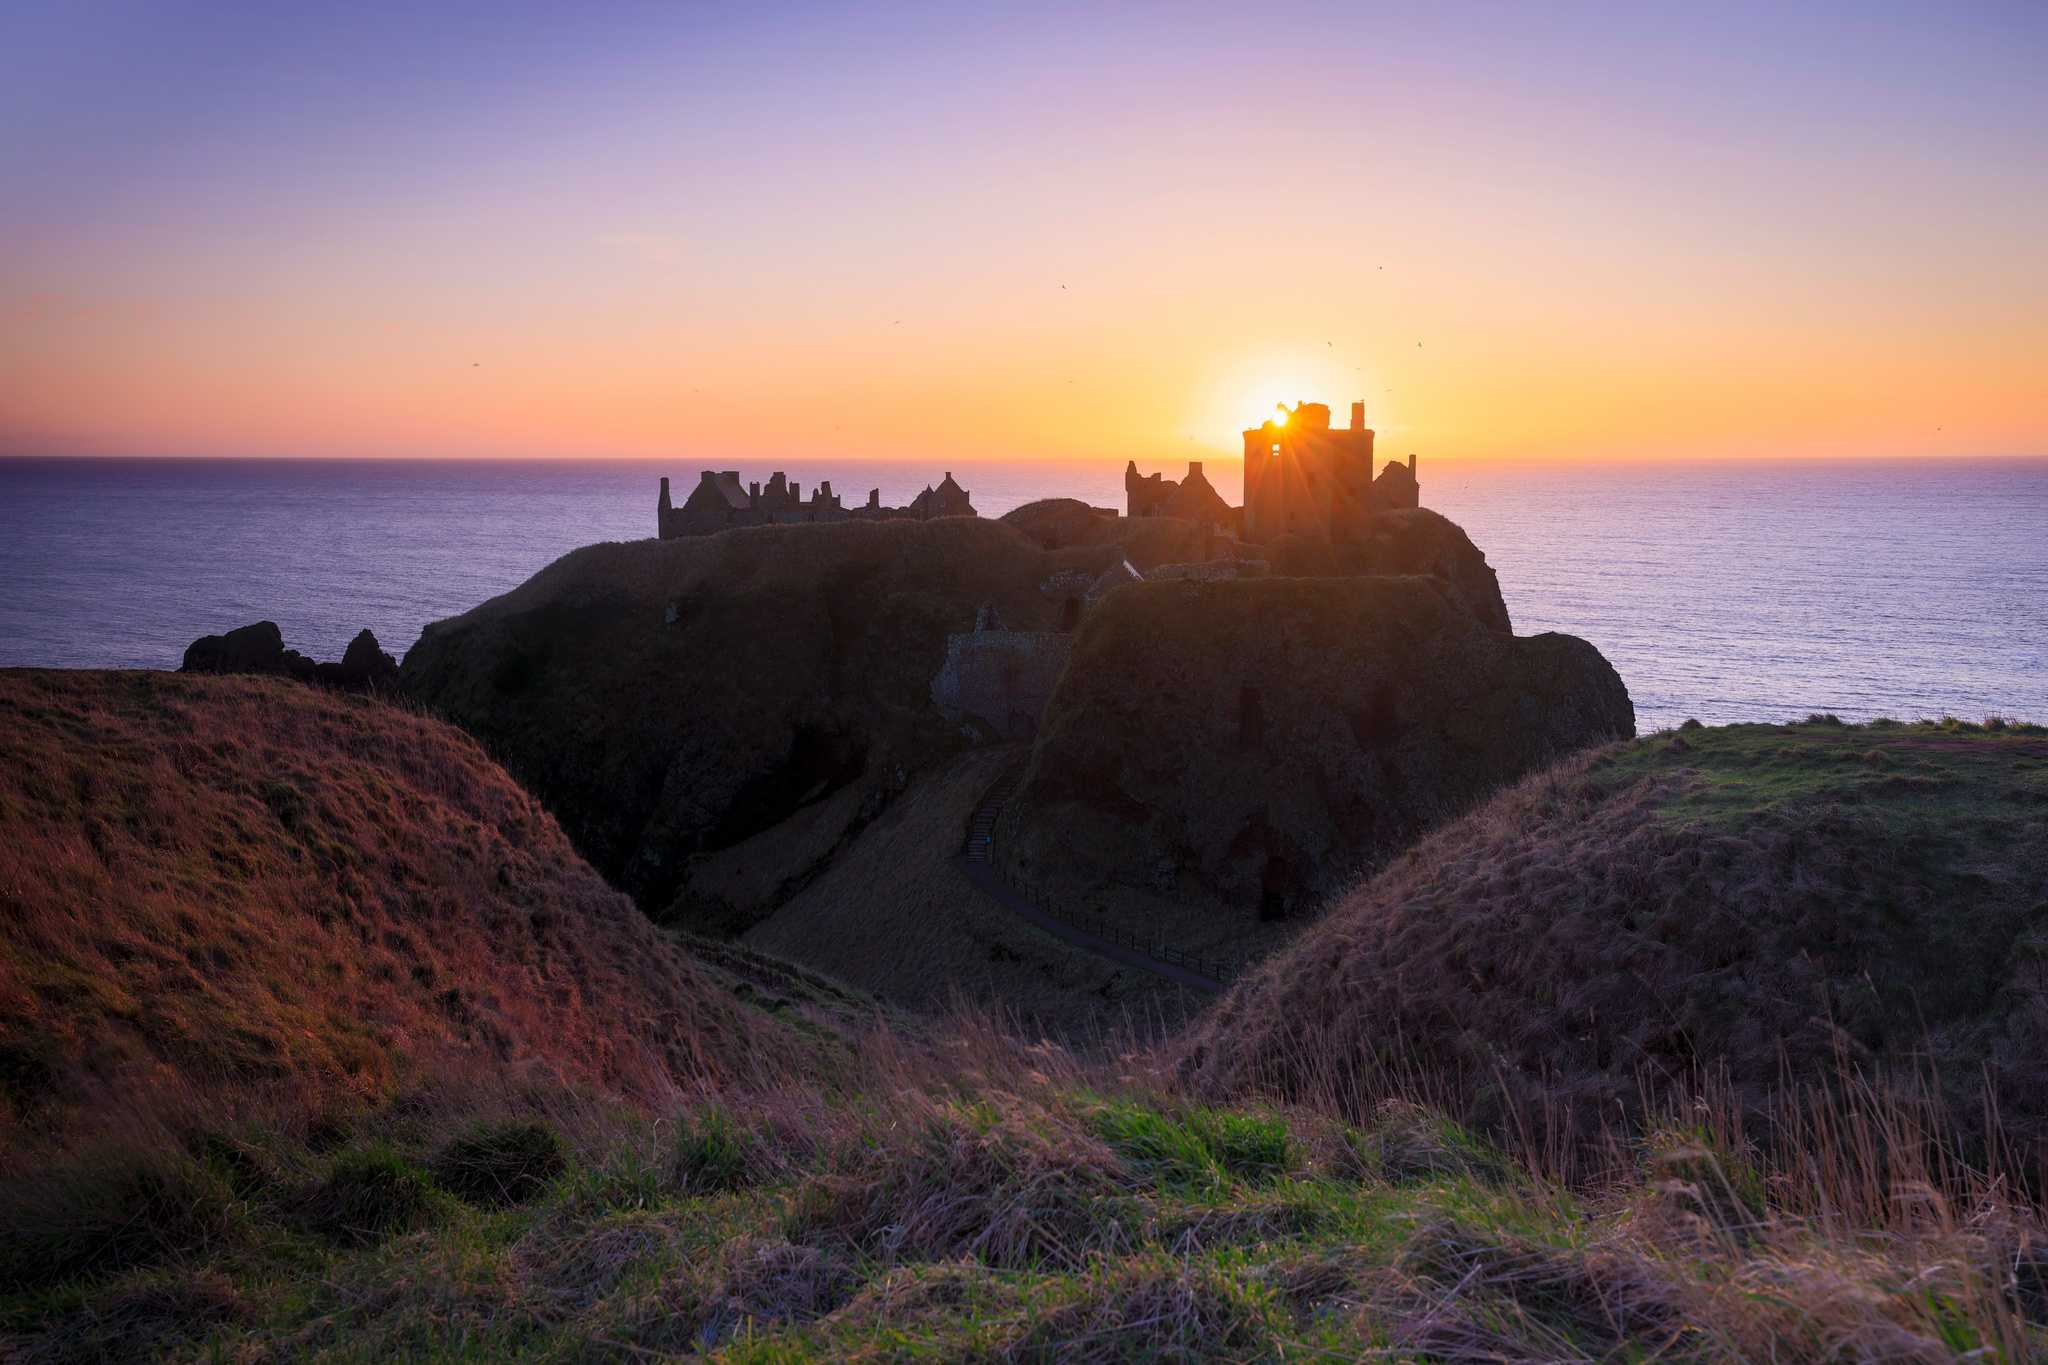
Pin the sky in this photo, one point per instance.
(1635, 231)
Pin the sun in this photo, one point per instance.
(1247, 393)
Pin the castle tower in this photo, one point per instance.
(1303, 477)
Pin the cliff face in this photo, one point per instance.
(711, 717)
(1415, 541)
(1295, 732)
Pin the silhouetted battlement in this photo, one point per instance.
(1302, 478)
(719, 502)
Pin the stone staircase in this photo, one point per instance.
(981, 830)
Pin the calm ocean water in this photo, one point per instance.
(1732, 591)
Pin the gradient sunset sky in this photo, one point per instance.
(1517, 231)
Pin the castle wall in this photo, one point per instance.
(1001, 678)
(1208, 571)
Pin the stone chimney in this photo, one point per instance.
(661, 511)
(1358, 415)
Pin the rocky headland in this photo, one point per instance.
(259, 649)
(1253, 746)
(716, 719)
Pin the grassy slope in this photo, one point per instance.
(224, 885)
(894, 915)
(980, 1198)
(1738, 902)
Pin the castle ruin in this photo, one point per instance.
(719, 502)
(1301, 477)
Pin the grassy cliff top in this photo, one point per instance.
(1763, 907)
(1904, 774)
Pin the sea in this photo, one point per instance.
(1739, 590)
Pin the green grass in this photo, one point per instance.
(1063, 1223)
(1902, 774)
(369, 1195)
(499, 1164)
(712, 1151)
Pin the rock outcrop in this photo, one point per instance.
(714, 719)
(1257, 744)
(259, 649)
(363, 664)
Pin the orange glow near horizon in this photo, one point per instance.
(1568, 240)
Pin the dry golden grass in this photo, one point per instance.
(233, 886)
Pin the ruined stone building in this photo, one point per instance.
(949, 499)
(1192, 499)
(996, 681)
(1301, 477)
(719, 501)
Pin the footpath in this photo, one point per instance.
(1090, 933)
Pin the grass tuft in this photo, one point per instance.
(713, 1153)
(111, 1210)
(1157, 1308)
(370, 1194)
(1024, 1190)
(164, 1316)
(502, 1164)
